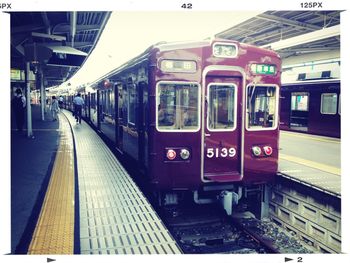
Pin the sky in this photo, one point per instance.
(128, 34)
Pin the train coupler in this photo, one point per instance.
(230, 198)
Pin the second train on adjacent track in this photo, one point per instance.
(196, 117)
(311, 106)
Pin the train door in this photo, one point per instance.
(299, 112)
(222, 129)
(141, 126)
(99, 109)
(118, 95)
(93, 108)
(84, 109)
(88, 103)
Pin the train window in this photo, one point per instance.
(132, 104)
(261, 107)
(300, 101)
(93, 101)
(222, 107)
(329, 103)
(177, 105)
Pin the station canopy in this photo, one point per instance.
(56, 42)
(60, 42)
(290, 33)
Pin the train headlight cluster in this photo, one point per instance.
(225, 50)
(177, 154)
(265, 151)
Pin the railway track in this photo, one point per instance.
(207, 229)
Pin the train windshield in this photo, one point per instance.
(261, 107)
(177, 107)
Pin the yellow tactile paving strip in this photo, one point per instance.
(54, 232)
(315, 165)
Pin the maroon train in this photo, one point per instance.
(198, 117)
(311, 106)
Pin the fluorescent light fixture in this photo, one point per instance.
(305, 38)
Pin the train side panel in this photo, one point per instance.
(311, 108)
(168, 132)
(120, 107)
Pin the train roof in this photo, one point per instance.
(313, 81)
(161, 46)
(165, 46)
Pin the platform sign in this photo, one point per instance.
(263, 69)
(17, 74)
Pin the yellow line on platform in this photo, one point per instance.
(54, 232)
(316, 165)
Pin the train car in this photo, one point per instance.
(68, 101)
(197, 117)
(311, 106)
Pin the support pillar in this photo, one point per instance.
(42, 96)
(265, 202)
(29, 109)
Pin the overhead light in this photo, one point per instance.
(66, 56)
(305, 38)
(52, 37)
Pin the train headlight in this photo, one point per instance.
(225, 50)
(185, 154)
(267, 150)
(256, 150)
(171, 154)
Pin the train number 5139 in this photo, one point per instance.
(223, 152)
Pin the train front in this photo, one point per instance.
(215, 111)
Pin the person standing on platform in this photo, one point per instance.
(60, 102)
(54, 108)
(19, 105)
(78, 103)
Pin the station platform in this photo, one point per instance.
(311, 160)
(30, 174)
(83, 201)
